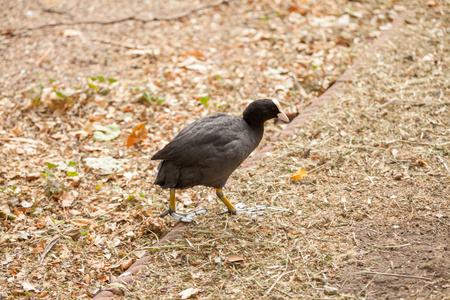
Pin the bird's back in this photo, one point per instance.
(206, 152)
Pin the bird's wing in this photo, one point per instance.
(212, 138)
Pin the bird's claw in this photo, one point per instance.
(240, 210)
(183, 217)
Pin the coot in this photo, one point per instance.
(208, 150)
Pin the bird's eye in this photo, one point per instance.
(273, 108)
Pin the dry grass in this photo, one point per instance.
(375, 200)
(370, 220)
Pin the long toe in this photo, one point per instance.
(182, 217)
(257, 210)
(164, 213)
(187, 217)
(196, 212)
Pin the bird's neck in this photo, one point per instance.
(256, 125)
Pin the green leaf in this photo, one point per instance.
(44, 175)
(83, 231)
(130, 197)
(112, 80)
(93, 86)
(161, 98)
(50, 165)
(148, 96)
(142, 195)
(77, 88)
(72, 174)
(72, 163)
(204, 101)
(101, 78)
(47, 172)
(51, 80)
(36, 100)
(107, 133)
(60, 95)
(93, 78)
(2, 188)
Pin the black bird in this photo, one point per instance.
(208, 150)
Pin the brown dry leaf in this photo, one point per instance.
(43, 222)
(126, 264)
(155, 224)
(235, 258)
(84, 223)
(74, 233)
(67, 199)
(299, 174)
(398, 176)
(38, 249)
(298, 10)
(137, 135)
(195, 53)
(101, 265)
(27, 286)
(186, 294)
(421, 163)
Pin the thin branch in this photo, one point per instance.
(120, 20)
(395, 275)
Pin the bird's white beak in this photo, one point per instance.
(283, 117)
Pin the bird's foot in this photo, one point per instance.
(239, 210)
(183, 217)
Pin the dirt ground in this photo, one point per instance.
(369, 221)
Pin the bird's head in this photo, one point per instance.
(262, 110)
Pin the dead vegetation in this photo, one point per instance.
(369, 221)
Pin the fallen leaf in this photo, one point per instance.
(398, 176)
(106, 133)
(157, 225)
(140, 253)
(137, 134)
(84, 223)
(101, 265)
(38, 249)
(126, 264)
(186, 294)
(27, 286)
(235, 258)
(299, 174)
(67, 199)
(106, 164)
(74, 233)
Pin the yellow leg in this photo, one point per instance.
(224, 199)
(172, 199)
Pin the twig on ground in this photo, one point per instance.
(393, 246)
(44, 56)
(395, 275)
(120, 20)
(276, 281)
